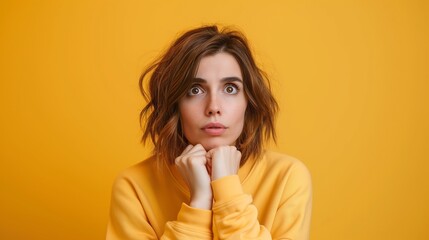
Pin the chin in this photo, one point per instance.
(209, 145)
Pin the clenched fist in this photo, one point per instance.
(223, 161)
(192, 165)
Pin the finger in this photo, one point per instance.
(238, 154)
(238, 157)
(209, 159)
(189, 147)
(209, 170)
(197, 149)
(212, 151)
(197, 153)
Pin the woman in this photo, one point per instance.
(209, 110)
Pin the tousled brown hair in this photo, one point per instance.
(170, 77)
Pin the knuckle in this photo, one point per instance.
(193, 162)
(183, 159)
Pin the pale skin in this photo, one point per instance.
(212, 116)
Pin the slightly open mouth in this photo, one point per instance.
(214, 131)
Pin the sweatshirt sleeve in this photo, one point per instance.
(191, 223)
(129, 220)
(235, 217)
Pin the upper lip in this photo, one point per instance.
(214, 125)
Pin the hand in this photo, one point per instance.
(223, 161)
(192, 165)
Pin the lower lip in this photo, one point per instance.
(214, 131)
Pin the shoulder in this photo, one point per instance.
(287, 167)
(283, 162)
(137, 174)
(290, 173)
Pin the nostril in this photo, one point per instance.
(211, 112)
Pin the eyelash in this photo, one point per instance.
(236, 88)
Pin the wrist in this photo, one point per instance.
(202, 202)
(220, 175)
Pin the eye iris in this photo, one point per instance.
(229, 89)
(195, 90)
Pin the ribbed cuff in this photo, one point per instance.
(194, 216)
(226, 188)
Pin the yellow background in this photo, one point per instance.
(351, 78)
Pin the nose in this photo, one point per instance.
(213, 106)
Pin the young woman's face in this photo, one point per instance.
(212, 112)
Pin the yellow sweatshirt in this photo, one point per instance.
(268, 199)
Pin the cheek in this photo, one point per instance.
(187, 116)
(240, 111)
(237, 116)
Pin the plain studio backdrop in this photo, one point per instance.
(351, 78)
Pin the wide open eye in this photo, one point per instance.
(195, 90)
(231, 88)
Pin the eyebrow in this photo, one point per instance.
(225, 79)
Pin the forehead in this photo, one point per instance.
(218, 66)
